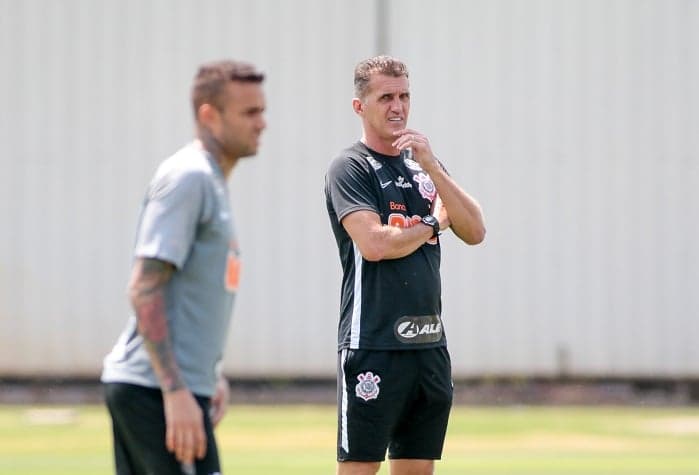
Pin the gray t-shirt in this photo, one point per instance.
(185, 220)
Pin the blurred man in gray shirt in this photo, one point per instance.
(163, 383)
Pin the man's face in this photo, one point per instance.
(386, 106)
(241, 119)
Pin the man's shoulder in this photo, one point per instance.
(352, 153)
(188, 159)
(187, 170)
(187, 164)
(355, 156)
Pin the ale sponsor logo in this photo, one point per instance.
(418, 329)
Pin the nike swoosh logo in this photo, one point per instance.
(384, 185)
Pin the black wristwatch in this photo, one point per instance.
(433, 223)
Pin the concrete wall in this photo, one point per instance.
(573, 122)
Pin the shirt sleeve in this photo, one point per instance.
(174, 207)
(349, 187)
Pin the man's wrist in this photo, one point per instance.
(172, 384)
(432, 222)
(172, 389)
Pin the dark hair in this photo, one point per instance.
(385, 65)
(211, 79)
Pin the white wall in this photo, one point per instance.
(573, 122)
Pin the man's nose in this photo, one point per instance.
(396, 105)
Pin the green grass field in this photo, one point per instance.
(300, 440)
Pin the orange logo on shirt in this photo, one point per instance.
(396, 206)
(402, 221)
(232, 277)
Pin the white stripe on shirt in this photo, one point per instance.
(357, 305)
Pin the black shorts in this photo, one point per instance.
(138, 424)
(393, 400)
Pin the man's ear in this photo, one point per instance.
(357, 106)
(207, 114)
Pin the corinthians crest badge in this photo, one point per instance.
(425, 186)
(368, 386)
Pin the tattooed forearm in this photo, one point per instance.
(147, 290)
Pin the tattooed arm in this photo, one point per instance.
(147, 292)
(185, 434)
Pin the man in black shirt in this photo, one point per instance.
(388, 198)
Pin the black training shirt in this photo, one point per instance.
(393, 303)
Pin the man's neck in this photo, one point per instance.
(380, 146)
(211, 145)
